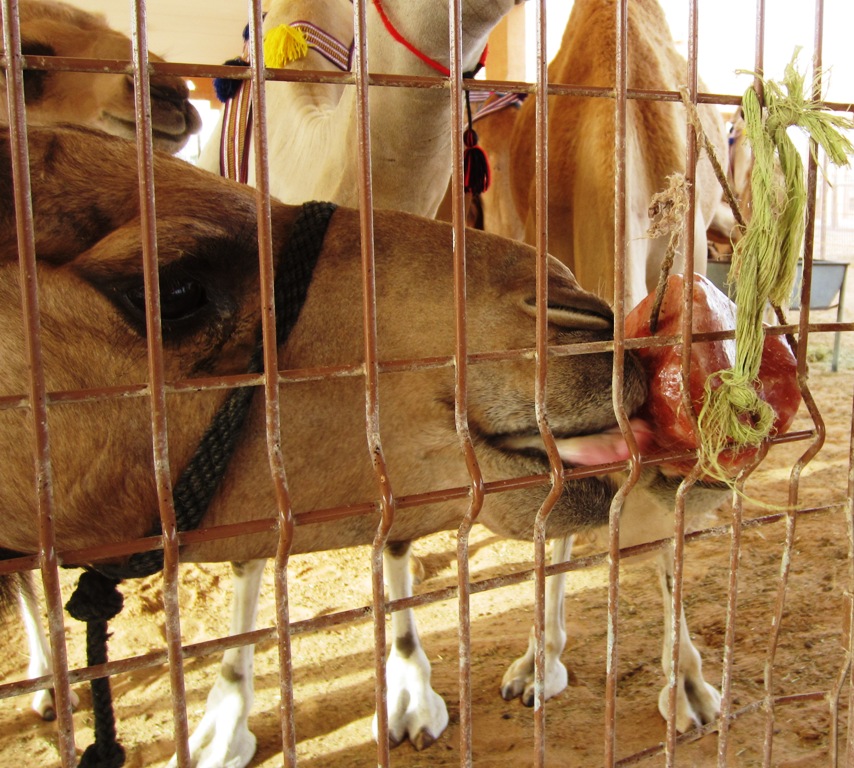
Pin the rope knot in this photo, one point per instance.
(95, 599)
(103, 756)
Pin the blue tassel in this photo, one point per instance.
(225, 87)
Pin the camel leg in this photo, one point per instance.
(519, 678)
(414, 708)
(223, 738)
(37, 645)
(697, 702)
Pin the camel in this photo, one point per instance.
(581, 151)
(103, 101)
(88, 246)
(581, 224)
(312, 127)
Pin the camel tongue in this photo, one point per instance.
(604, 447)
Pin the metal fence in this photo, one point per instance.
(543, 747)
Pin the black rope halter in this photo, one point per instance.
(96, 599)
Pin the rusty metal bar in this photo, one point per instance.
(809, 402)
(159, 419)
(678, 551)
(348, 616)
(302, 375)
(272, 402)
(846, 673)
(541, 182)
(461, 356)
(372, 404)
(621, 55)
(737, 529)
(210, 71)
(36, 397)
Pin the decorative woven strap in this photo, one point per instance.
(331, 48)
(503, 101)
(236, 134)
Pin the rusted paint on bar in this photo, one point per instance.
(349, 616)
(687, 325)
(620, 228)
(37, 397)
(272, 405)
(461, 354)
(736, 530)
(803, 375)
(556, 474)
(159, 420)
(847, 673)
(372, 404)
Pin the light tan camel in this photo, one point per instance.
(312, 128)
(581, 151)
(103, 101)
(90, 282)
(581, 226)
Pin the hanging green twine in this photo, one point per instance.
(764, 261)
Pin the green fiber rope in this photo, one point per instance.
(764, 261)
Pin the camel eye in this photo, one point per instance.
(181, 298)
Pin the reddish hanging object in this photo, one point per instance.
(478, 174)
(475, 163)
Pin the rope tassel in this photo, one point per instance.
(478, 174)
(283, 45)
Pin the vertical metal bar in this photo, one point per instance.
(678, 545)
(159, 421)
(847, 673)
(759, 50)
(461, 385)
(729, 634)
(36, 384)
(272, 402)
(620, 121)
(541, 357)
(803, 372)
(556, 469)
(372, 404)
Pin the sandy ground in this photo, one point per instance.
(333, 670)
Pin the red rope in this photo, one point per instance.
(392, 30)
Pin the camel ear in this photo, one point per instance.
(71, 212)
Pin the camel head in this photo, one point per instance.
(103, 101)
(93, 336)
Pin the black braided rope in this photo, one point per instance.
(198, 483)
(96, 599)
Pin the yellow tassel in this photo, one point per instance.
(283, 45)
